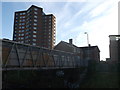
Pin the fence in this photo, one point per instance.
(15, 54)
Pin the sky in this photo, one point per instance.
(99, 18)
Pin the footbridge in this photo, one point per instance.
(30, 66)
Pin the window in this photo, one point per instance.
(27, 33)
(28, 19)
(34, 43)
(49, 36)
(117, 38)
(22, 34)
(26, 41)
(34, 27)
(19, 30)
(16, 14)
(22, 41)
(24, 13)
(26, 37)
(27, 26)
(45, 20)
(35, 12)
(43, 13)
(27, 29)
(14, 38)
(16, 17)
(14, 34)
(19, 35)
(34, 32)
(45, 17)
(20, 16)
(35, 24)
(23, 27)
(23, 17)
(23, 20)
(22, 30)
(23, 23)
(22, 38)
(34, 35)
(48, 39)
(35, 20)
(21, 13)
(35, 16)
(34, 39)
(15, 24)
(28, 11)
(16, 21)
(35, 9)
(49, 16)
(15, 27)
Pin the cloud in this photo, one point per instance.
(100, 28)
(66, 18)
(73, 19)
(81, 13)
(102, 8)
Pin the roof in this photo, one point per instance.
(90, 47)
(76, 46)
(66, 44)
(49, 15)
(28, 45)
(20, 11)
(28, 9)
(36, 7)
(114, 35)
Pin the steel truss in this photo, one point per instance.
(19, 55)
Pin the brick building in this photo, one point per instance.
(91, 53)
(70, 47)
(84, 53)
(34, 27)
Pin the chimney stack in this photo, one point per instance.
(89, 45)
(70, 41)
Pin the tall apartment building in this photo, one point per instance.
(34, 27)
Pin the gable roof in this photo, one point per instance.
(72, 45)
(66, 43)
